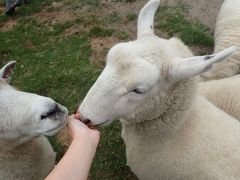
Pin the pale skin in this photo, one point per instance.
(76, 163)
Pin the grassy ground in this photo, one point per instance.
(60, 47)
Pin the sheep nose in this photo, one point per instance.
(84, 120)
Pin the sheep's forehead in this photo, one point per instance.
(127, 55)
(128, 65)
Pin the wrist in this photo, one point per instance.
(86, 141)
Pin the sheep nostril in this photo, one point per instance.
(43, 117)
(86, 121)
(50, 113)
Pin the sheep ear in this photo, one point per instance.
(146, 18)
(182, 68)
(6, 71)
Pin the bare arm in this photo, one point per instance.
(77, 161)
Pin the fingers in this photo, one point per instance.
(78, 115)
(73, 116)
(73, 121)
(77, 129)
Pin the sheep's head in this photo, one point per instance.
(25, 115)
(139, 69)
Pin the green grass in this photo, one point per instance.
(173, 21)
(2, 2)
(111, 149)
(75, 5)
(36, 6)
(111, 18)
(52, 64)
(90, 2)
(131, 17)
(100, 32)
(58, 68)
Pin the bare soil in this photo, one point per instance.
(7, 26)
(53, 18)
(100, 47)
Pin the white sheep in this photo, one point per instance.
(170, 132)
(24, 118)
(224, 93)
(227, 33)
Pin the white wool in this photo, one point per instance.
(224, 93)
(227, 34)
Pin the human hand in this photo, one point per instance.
(79, 130)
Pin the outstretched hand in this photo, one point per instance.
(79, 130)
(76, 163)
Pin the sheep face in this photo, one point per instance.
(25, 115)
(131, 75)
(141, 69)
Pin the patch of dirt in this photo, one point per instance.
(75, 29)
(57, 4)
(2, 9)
(29, 44)
(53, 18)
(8, 25)
(100, 47)
(201, 50)
(123, 8)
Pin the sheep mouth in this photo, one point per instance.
(103, 124)
(89, 123)
(57, 128)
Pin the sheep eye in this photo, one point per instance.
(139, 91)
